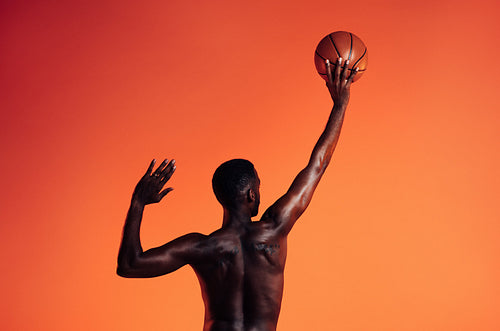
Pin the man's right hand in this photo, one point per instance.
(150, 187)
(338, 82)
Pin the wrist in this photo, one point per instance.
(339, 107)
(341, 101)
(137, 203)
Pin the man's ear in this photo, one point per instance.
(250, 195)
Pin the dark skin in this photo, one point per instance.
(239, 266)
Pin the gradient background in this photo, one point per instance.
(403, 232)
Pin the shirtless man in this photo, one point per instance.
(239, 266)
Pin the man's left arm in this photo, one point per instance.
(290, 206)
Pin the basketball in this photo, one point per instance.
(345, 45)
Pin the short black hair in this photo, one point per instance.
(231, 179)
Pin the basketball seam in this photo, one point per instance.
(334, 46)
(350, 49)
(364, 53)
(320, 56)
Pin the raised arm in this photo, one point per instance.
(132, 261)
(290, 206)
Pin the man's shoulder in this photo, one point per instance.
(192, 239)
(194, 236)
(270, 221)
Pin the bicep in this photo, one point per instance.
(287, 209)
(166, 258)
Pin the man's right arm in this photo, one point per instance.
(132, 260)
(285, 212)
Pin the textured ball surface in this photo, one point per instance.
(345, 45)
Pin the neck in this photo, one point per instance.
(236, 217)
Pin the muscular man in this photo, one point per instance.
(239, 266)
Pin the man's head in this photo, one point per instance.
(235, 183)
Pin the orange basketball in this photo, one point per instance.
(345, 45)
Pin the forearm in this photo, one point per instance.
(338, 83)
(323, 150)
(130, 248)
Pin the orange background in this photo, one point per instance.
(403, 232)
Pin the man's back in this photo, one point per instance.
(241, 277)
(240, 266)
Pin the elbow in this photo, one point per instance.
(123, 271)
(319, 167)
(324, 161)
(126, 265)
(126, 270)
(131, 269)
(319, 162)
